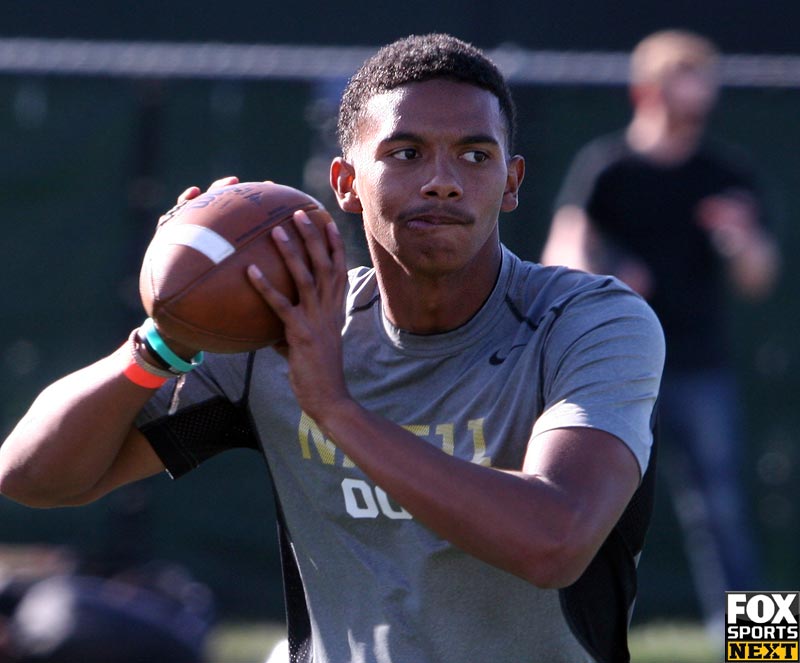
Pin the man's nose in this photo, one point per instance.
(442, 181)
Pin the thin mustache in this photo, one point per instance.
(446, 213)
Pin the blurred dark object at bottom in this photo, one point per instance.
(148, 614)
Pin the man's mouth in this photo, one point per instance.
(434, 219)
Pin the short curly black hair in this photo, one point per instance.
(415, 59)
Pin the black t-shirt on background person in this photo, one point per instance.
(648, 210)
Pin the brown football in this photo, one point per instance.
(193, 281)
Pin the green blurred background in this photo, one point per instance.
(87, 163)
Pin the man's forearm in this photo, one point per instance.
(515, 521)
(70, 437)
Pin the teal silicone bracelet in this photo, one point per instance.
(176, 364)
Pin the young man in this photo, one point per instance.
(672, 214)
(457, 451)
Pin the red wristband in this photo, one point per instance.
(135, 368)
(138, 375)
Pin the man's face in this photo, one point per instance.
(431, 174)
(690, 92)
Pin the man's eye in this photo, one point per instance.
(475, 156)
(406, 154)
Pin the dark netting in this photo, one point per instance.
(297, 620)
(212, 426)
(598, 605)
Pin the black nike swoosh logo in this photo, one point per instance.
(496, 359)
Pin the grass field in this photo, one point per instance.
(669, 642)
(653, 643)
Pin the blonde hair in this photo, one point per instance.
(664, 52)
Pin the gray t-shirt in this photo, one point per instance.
(550, 348)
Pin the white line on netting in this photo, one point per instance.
(68, 57)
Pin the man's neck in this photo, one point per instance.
(430, 304)
(662, 139)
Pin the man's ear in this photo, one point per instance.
(516, 173)
(645, 94)
(343, 183)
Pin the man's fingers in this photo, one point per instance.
(319, 283)
(336, 244)
(292, 254)
(194, 191)
(191, 192)
(315, 242)
(224, 181)
(327, 274)
(324, 246)
(275, 299)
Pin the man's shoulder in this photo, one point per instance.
(603, 151)
(571, 304)
(591, 164)
(532, 277)
(539, 290)
(362, 288)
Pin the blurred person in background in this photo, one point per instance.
(675, 215)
